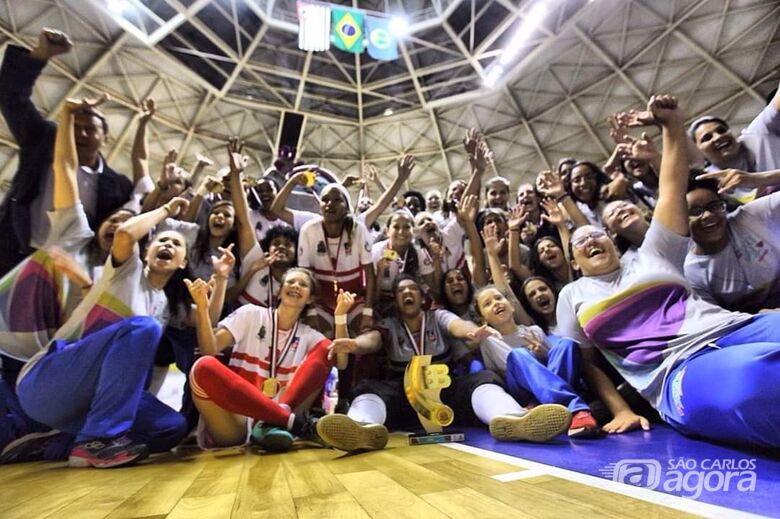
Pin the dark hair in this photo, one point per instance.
(417, 195)
(95, 254)
(201, 248)
(443, 283)
(601, 179)
(484, 289)
(281, 231)
(179, 298)
(703, 120)
(565, 160)
(536, 262)
(412, 262)
(710, 184)
(533, 314)
(94, 112)
(484, 213)
(403, 277)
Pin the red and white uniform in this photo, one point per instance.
(335, 259)
(262, 289)
(255, 331)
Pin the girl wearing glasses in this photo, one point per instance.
(735, 259)
(676, 349)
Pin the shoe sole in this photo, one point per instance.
(79, 462)
(584, 433)
(274, 442)
(9, 455)
(341, 432)
(540, 424)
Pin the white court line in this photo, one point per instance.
(516, 476)
(651, 496)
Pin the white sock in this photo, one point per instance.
(368, 408)
(490, 400)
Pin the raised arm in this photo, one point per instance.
(479, 157)
(247, 238)
(132, 230)
(279, 207)
(671, 209)
(405, 167)
(140, 153)
(66, 161)
(490, 237)
(344, 302)
(516, 222)
(168, 174)
(467, 215)
(210, 341)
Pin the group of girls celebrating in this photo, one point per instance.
(540, 323)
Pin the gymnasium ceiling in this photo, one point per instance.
(222, 67)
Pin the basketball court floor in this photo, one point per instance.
(639, 474)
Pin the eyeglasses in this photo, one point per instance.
(716, 207)
(580, 241)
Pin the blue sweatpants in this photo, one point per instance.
(554, 383)
(93, 387)
(730, 393)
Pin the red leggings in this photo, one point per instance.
(212, 380)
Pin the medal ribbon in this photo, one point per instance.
(418, 349)
(275, 341)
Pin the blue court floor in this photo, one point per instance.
(662, 460)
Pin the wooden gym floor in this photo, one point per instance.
(428, 482)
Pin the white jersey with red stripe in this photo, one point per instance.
(335, 259)
(253, 329)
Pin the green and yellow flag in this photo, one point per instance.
(347, 31)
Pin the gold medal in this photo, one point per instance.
(335, 287)
(269, 387)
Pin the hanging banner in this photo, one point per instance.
(382, 45)
(347, 30)
(313, 27)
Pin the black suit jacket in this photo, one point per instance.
(35, 136)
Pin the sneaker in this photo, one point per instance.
(542, 423)
(30, 447)
(104, 454)
(342, 432)
(271, 438)
(583, 425)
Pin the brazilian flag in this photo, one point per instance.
(347, 29)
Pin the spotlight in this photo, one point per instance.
(399, 26)
(388, 112)
(494, 73)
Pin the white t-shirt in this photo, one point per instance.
(252, 327)
(762, 140)
(261, 224)
(644, 317)
(745, 275)
(318, 253)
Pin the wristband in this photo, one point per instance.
(168, 209)
(368, 312)
(340, 319)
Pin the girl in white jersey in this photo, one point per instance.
(277, 364)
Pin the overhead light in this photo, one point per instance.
(494, 74)
(399, 26)
(117, 6)
(388, 112)
(532, 20)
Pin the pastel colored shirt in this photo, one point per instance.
(644, 317)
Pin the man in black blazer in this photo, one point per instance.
(23, 220)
